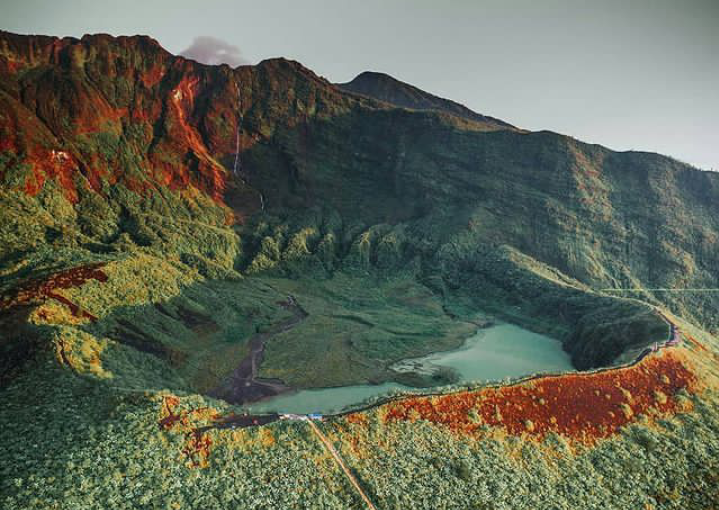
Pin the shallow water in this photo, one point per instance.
(493, 353)
(323, 400)
(503, 351)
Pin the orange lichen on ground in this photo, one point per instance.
(197, 449)
(169, 418)
(357, 418)
(581, 407)
(39, 290)
(82, 353)
(198, 443)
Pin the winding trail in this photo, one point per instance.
(328, 445)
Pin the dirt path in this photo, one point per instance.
(243, 385)
(326, 442)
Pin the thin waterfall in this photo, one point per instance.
(237, 167)
(238, 128)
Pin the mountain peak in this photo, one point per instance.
(386, 88)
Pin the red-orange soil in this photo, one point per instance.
(198, 444)
(582, 407)
(39, 290)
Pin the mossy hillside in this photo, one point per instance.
(582, 209)
(171, 224)
(203, 332)
(153, 249)
(374, 294)
(356, 328)
(169, 317)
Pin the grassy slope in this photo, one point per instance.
(357, 326)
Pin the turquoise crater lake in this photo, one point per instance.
(492, 354)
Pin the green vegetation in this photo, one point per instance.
(671, 464)
(83, 444)
(356, 328)
(396, 230)
(80, 444)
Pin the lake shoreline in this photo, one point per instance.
(494, 353)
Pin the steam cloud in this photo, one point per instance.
(211, 50)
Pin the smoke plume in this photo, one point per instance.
(211, 50)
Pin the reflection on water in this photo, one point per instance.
(503, 351)
(493, 353)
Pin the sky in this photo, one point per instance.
(627, 74)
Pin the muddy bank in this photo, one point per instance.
(243, 385)
(241, 421)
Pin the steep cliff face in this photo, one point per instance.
(113, 145)
(107, 110)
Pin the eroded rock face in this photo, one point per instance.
(125, 110)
